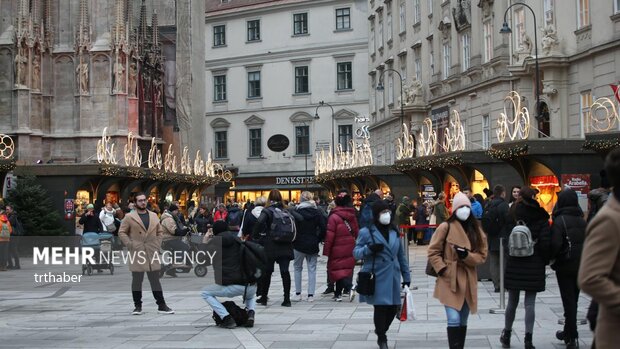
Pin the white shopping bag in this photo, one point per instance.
(407, 310)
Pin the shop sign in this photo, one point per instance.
(69, 209)
(278, 143)
(10, 182)
(428, 192)
(580, 183)
(294, 180)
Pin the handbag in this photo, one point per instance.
(365, 279)
(407, 310)
(430, 271)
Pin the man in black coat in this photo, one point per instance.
(229, 279)
(90, 221)
(311, 226)
(494, 225)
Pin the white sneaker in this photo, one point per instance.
(338, 299)
(310, 299)
(297, 298)
(352, 295)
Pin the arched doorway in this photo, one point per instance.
(450, 187)
(540, 177)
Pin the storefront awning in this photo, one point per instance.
(250, 187)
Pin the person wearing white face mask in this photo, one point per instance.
(457, 247)
(383, 255)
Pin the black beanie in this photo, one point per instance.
(219, 227)
(343, 199)
(379, 206)
(172, 207)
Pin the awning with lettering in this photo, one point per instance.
(250, 187)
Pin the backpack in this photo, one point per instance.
(234, 219)
(282, 226)
(236, 312)
(5, 231)
(490, 220)
(520, 242)
(253, 261)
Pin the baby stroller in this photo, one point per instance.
(102, 244)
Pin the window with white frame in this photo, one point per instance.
(390, 28)
(417, 62)
(466, 46)
(583, 13)
(519, 26)
(255, 143)
(300, 23)
(431, 57)
(402, 17)
(584, 105)
(616, 6)
(380, 34)
(486, 131)
(219, 35)
(302, 140)
(343, 18)
(373, 43)
(373, 98)
(221, 144)
(417, 13)
(253, 30)
(391, 88)
(345, 135)
(549, 10)
(219, 88)
(254, 84)
(446, 60)
(403, 67)
(487, 32)
(301, 80)
(430, 7)
(381, 96)
(345, 76)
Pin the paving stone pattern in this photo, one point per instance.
(96, 314)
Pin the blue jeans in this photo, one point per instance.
(298, 264)
(210, 292)
(457, 318)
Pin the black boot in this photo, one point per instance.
(265, 283)
(462, 335)
(382, 340)
(505, 338)
(454, 336)
(528, 341)
(572, 343)
(286, 284)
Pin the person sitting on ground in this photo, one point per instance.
(232, 283)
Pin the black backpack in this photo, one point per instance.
(236, 312)
(282, 227)
(253, 261)
(491, 220)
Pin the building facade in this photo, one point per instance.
(268, 66)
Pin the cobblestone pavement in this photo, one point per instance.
(95, 313)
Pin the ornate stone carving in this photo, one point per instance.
(36, 72)
(550, 42)
(525, 48)
(119, 73)
(157, 92)
(413, 93)
(444, 27)
(133, 76)
(82, 77)
(462, 15)
(486, 6)
(21, 66)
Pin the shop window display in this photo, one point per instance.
(548, 187)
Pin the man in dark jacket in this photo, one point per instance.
(90, 221)
(311, 226)
(18, 231)
(494, 225)
(234, 218)
(229, 279)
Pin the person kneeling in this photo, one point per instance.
(229, 277)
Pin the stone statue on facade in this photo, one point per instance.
(133, 75)
(82, 78)
(146, 87)
(36, 73)
(157, 92)
(21, 66)
(413, 93)
(525, 48)
(119, 76)
(550, 41)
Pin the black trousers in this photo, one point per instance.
(343, 285)
(383, 317)
(569, 291)
(13, 260)
(136, 287)
(283, 264)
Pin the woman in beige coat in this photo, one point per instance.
(599, 271)
(457, 247)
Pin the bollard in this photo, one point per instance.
(502, 296)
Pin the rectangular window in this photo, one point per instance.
(584, 106)
(389, 26)
(432, 60)
(583, 13)
(486, 130)
(402, 14)
(430, 7)
(519, 26)
(254, 84)
(219, 35)
(446, 60)
(403, 68)
(373, 98)
(417, 14)
(391, 89)
(255, 143)
(300, 23)
(302, 140)
(380, 33)
(221, 144)
(373, 43)
(343, 18)
(616, 6)
(345, 76)
(549, 7)
(219, 87)
(466, 44)
(345, 135)
(254, 30)
(417, 56)
(301, 79)
(487, 32)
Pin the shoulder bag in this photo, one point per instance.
(365, 279)
(430, 271)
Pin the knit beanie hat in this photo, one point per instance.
(90, 207)
(219, 227)
(172, 207)
(379, 206)
(343, 199)
(460, 200)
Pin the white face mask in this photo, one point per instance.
(463, 213)
(385, 218)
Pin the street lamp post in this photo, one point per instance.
(380, 87)
(306, 153)
(506, 30)
(316, 116)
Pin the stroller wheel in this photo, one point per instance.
(111, 269)
(89, 270)
(200, 270)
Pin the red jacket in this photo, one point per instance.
(339, 243)
(220, 216)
